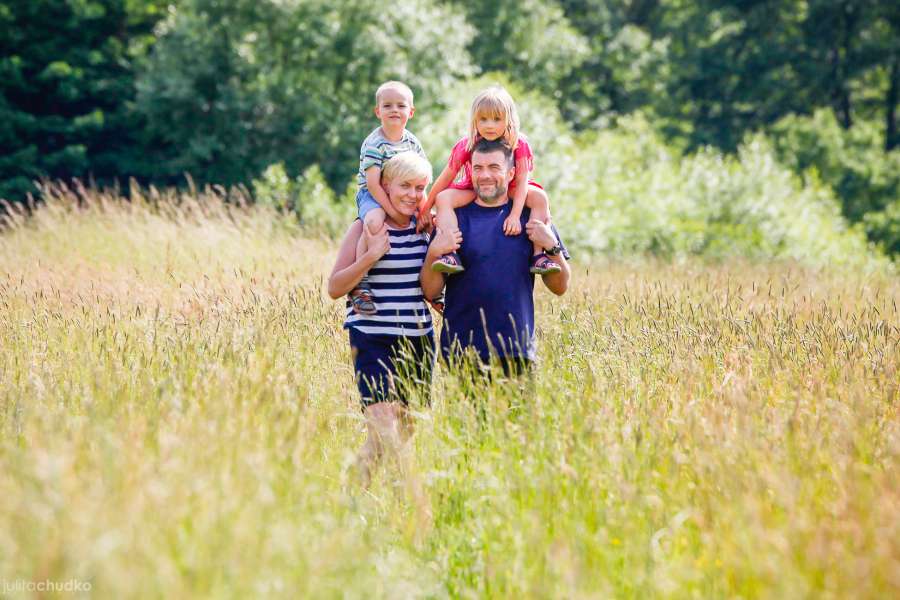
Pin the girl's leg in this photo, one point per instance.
(446, 202)
(539, 203)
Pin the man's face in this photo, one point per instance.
(394, 108)
(491, 176)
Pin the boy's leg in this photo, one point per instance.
(539, 203)
(374, 219)
(446, 202)
(361, 297)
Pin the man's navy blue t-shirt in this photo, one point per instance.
(490, 305)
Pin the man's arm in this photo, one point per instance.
(542, 235)
(432, 283)
(558, 283)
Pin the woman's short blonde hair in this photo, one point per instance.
(406, 166)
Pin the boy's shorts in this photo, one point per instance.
(365, 202)
(377, 358)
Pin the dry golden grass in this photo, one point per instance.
(177, 413)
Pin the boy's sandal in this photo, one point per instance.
(448, 263)
(363, 302)
(541, 264)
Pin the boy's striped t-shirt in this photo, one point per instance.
(400, 304)
(377, 150)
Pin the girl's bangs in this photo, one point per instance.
(492, 108)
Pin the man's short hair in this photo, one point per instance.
(393, 85)
(484, 146)
(406, 166)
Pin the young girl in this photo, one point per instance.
(493, 116)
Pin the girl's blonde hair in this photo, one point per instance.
(495, 102)
(406, 166)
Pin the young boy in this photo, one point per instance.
(394, 107)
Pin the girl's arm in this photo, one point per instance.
(521, 192)
(440, 184)
(349, 270)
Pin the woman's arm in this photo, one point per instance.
(348, 269)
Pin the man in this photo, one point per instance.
(490, 305)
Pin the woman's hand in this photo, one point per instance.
(512, 225)
(378, 243)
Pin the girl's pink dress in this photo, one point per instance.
(461, 163)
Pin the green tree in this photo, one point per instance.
(236, 85)
(66, 87)
(531, 41)
(852, 162)
(626, 65)
(740, 66)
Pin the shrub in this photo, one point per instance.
(307, 196)
(865, 178)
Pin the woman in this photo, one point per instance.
(393, 350)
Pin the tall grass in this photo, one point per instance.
(178, 412)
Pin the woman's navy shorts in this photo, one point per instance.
(377, 359)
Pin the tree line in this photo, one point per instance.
(221, 89)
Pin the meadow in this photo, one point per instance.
(178, 416)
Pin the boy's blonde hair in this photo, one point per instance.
(406, 166)
(495, 102)
(393, 85)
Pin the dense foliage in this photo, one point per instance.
(67, 87)
(224, 89)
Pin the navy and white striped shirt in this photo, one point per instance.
(398, 294)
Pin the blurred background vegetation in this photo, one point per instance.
(752, 127)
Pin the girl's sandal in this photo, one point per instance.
(363, 302)
(448, 263)
(541, 264)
